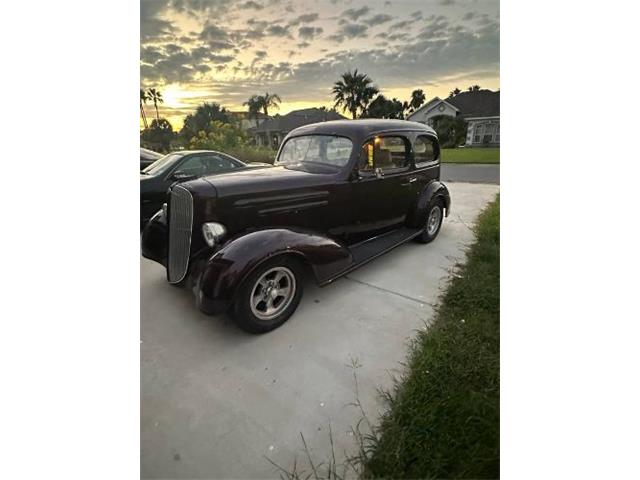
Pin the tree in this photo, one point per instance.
(220, 136)
(156, 97)
(265, 102)
(474, 88)
(417, 99)
(452, 131)
(159, 135)
(254, 105)
(454, 92)
(381, 107)
(143, 100)
(201, 119)
(268, 101)
(353, 92)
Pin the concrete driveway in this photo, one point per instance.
(216, 401)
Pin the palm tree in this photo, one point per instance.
(353, 92)
(143, 100)
(417, 99)
(156, 96)
(268, 101)
(454, 92)
(264, 103)
(254, 105)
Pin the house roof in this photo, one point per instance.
(481, 103)
(249, 115)
(295, 119)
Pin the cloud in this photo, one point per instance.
(349, 30)
(308, 33)
(354, 14)
(278, 31)
(173, 63)
(379, 18)
(401, 25)
(250, 5)
(215, 37)
(304, 18)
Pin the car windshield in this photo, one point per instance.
(327, 150)
(161, 164)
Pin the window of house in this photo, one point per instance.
(425, 150)
(488, 133)
(385, 153)
(478, 132)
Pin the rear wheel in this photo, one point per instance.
(269, 296)
(435, 215)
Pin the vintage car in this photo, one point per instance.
(340, 194)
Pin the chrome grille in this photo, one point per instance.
(180, 222)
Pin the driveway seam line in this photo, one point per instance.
(422, 302)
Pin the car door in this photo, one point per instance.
(383, 190)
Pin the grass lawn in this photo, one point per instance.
(471, 155)
(444, 415)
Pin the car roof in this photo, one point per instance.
(150, 153)
(191, 152)
(360, 128)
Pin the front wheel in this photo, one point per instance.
(269, 296)
(435, 215)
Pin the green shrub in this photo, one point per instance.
(452, 131)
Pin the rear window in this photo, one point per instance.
(425, 150)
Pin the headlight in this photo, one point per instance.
(213, 233)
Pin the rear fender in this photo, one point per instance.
(225, 270)
(434, 189)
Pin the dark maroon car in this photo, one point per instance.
(340, 194)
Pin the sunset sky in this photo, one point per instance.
(225, 51)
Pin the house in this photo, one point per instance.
(480, 109)
(278, 126)
(246, 120)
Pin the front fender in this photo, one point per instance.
(432, 190)
(154, 239)
(223, 272)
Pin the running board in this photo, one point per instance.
(366, 251)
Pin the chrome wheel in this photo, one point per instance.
(272, 293)
(433, 222)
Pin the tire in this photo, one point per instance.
(430, 231)
(261, 304)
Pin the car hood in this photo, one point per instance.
(261, 180)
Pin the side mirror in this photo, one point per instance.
(181, 176)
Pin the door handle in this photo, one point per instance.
(410, 181)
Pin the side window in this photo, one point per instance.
(193, 166)
(385, 153)
(425, 150)
(217, 163)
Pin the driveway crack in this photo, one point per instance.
(421, 302)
